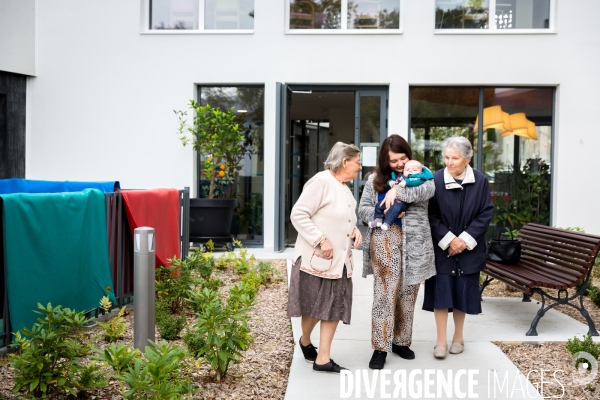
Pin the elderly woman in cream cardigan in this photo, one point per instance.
(320, 283)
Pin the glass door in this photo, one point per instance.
(370, 130)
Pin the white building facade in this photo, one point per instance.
(103, 79)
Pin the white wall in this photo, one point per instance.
(101, 106)
(18, 36)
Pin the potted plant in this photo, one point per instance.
(219, 140)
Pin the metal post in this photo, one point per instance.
(143, 283)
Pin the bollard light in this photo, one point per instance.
(143, 285)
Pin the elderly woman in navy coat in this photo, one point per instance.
(459, 215)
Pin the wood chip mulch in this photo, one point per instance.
(261, 374)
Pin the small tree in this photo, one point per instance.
(218, 138)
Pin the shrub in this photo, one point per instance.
(169, 325)
(212, 284)
(575, 345)
(223, 328)
(115, 327)
(267, 271)
(159, 374)
(195, 342)
(173, 282)
(48, 362)
(253, 280)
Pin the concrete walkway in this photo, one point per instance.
(482, 371)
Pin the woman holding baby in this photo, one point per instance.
(399, 257)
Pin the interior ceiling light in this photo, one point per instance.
(242, 111)
(492, 118)
(521, 126)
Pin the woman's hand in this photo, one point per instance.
(327, 249)
(457, 246)
(390, 197)
(357, 237)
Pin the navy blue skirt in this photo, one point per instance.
(447, 291)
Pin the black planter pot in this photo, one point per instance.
(211, 218)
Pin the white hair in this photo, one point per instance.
(460, 144)
(338, 153)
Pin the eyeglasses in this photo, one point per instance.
(356, 162)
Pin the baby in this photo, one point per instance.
(414, 175)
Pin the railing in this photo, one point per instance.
(120, 254)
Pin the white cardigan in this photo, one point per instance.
(325, 209)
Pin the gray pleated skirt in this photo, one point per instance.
(320, 298)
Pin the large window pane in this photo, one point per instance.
(373, 14)
(439, 113)
(173, 14)
(522, 14)
(517, 137)
(315, 14)
(461, 14)
(515, 130)
(229, 14)
(248, 103)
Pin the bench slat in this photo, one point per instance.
(548, 276)
(552, 260)
(577, 237)
(578, 257)
(527, 277)
(520, 288)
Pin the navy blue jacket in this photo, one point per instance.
(456, 210)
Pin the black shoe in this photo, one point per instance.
(331, 367)
(377, 360)
(403, 351)
(310, 352)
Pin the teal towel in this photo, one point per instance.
(55, 251)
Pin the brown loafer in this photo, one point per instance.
(457, 348)
(440, 350)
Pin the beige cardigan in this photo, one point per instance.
(325, 209)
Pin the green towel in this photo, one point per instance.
(55, 251)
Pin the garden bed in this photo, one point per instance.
(261, 373)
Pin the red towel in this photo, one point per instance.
(158, 209)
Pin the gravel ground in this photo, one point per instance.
(261, 374)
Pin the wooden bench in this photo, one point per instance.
(550, 258)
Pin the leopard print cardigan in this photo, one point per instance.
(418, 257)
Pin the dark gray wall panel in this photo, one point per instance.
(12, 125)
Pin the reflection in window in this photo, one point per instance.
(315, 14)
(373, 14)
(173, 14)
(248, 103)
(516, 137)
(229, 14)
(506, 14)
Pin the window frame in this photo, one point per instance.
(146, 30)
(344, 28)
(492, 30)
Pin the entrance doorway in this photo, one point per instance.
(312, 120)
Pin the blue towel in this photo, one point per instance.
(15, 185)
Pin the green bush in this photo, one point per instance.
(252, 280)
(204, 263)
(47, 362)
(173, 282)
(169, 325)
(195, 343)
(159, 374)
(212, 284)
(115, 327)
(267, 271)
(223, 327)
(575, 345)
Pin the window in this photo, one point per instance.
(493, 15)
(201, 15)
(319, 16)
(248, 103)
(513, 148)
